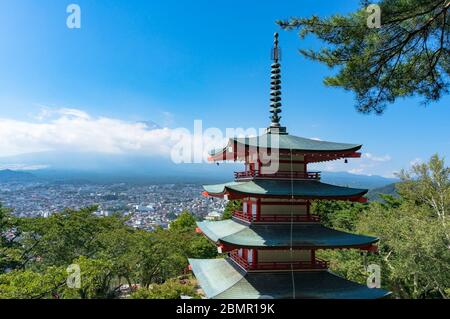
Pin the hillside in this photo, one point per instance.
(374, 194)
(8, 175)
(357, 181)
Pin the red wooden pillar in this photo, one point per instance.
(249, 209)
(245, 254)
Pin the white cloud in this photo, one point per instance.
(368, 164)
(22, 167)
(392, 174)
(372, 157)
(358, 171)
(75, 130)
(47, 113)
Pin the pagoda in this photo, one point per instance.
(271, 243)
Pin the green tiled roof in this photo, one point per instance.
(291, 142)
(298, 188)
(221, 279)
(279, 235)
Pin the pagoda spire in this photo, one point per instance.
(275, 90)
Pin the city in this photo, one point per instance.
(148, 206)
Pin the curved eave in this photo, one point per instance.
(232, 194)
(277, 236)
(284, 189)
(239, 244)
(221, 279)
(352, 148)
(286, 143)
(294, 143)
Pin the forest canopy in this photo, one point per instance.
(407, 55)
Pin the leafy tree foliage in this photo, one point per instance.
(231, 207)
(110, 254)
(63, 237)
(193, 244)
(171, 289)
(414, 252)
(338, 214)
(96, 277)
(408, 55)
(10, 254)
(28, 284)
(184, 222)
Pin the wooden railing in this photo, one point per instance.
(243, 216)
(278, 175)
(277, 218)
(239, 260)
(289, 218)
(296, 265)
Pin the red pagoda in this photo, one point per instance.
(271, 244)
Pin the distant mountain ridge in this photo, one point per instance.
(105, 168)
(185, 173)
(9, 175)
(357, 181)
(374, 194)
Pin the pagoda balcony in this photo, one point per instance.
(278, 175)
(317, 264)
(276, 218)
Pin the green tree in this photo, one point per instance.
(162, 258)
(96, 279)
(123, 248)
(231, 207)
(202, 248)
(417, 236)
(171, 289)
(63, 237)
(184, 222)
(189, 243)
(428, 184)
(338, 214)
(408, 55)
(413, 229)
(413, 250)
(108, 252)
(28, 284)
(10, 249)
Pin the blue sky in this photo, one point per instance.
(172, 62)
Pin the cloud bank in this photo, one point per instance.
(76, 131)
(68, 130)
(369, 164)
